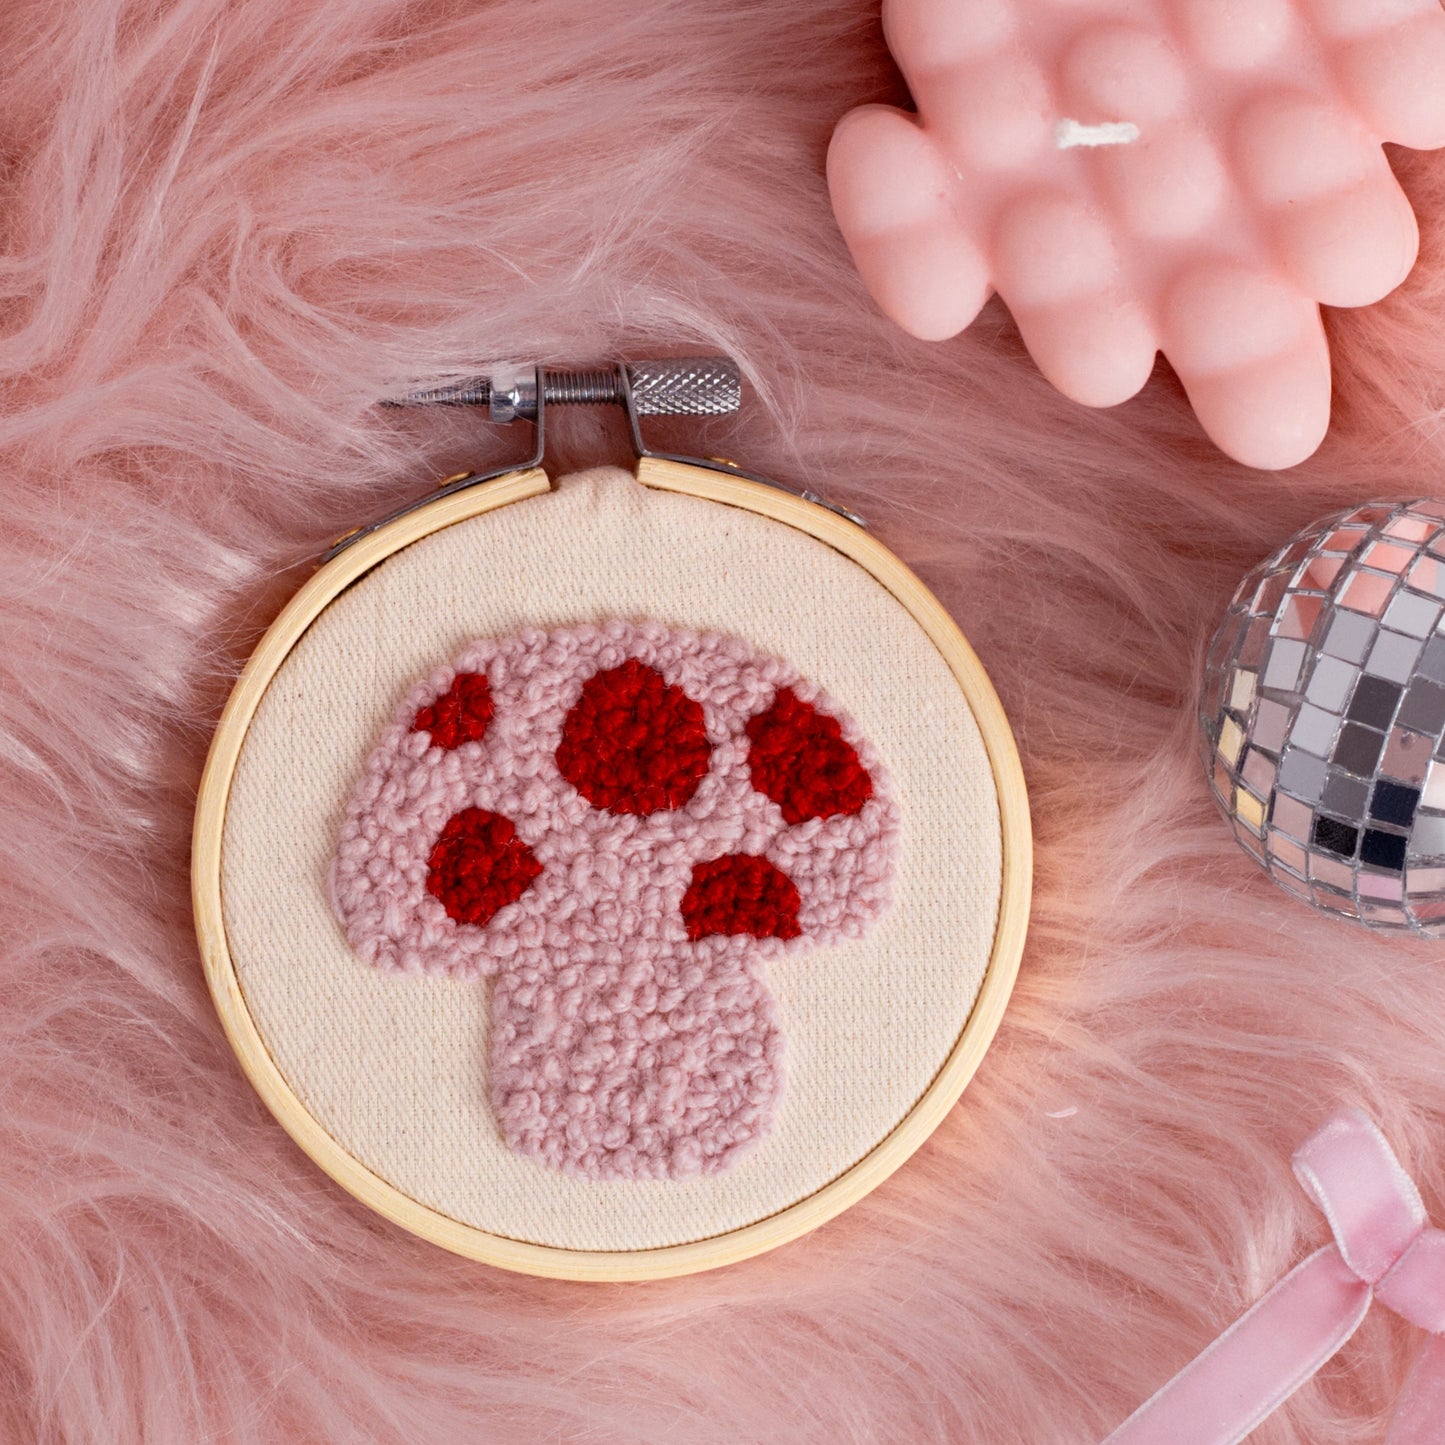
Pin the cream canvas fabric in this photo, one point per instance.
(395, 1069)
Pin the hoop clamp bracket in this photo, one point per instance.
(676, 386)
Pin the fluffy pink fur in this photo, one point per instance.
(227, 230)
(624, 1046)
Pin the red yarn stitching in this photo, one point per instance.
(740, 893)
(479, 865)
(633, 743)
(460, 715)
(800, 759)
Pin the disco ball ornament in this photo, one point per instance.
(1323, 714)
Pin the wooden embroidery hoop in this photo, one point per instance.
(374, 547)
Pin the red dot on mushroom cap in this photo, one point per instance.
(741, 893)
(800, 759)
(479, 865)
(462, 714)
(633, 742)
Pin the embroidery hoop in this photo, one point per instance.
(372, 547)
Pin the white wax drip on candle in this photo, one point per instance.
(1071, 133)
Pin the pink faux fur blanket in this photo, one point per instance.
(226, 228)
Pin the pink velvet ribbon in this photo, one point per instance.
(1384, 1249)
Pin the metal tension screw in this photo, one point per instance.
(677, 386)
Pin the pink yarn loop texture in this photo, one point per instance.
(599, 846)
(1383, 1250)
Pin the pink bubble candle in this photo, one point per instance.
(1136, 176)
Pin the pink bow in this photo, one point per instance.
(1384, 1250)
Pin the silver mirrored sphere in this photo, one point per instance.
(1323, 715)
